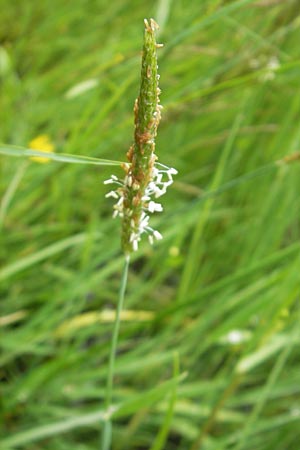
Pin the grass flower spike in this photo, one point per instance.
(145, 179)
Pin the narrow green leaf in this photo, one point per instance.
(147, 399)
(160, 440)
(12, 150)
(40, 255)
(63, 426)
(261, 355)
(44, 431)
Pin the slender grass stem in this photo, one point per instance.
(10, 191)
(107, 427)
(112, 356)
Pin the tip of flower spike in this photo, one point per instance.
(152, 26)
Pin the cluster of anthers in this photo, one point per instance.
(162, 178)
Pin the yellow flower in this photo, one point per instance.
(43, 144)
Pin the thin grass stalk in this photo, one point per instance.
(107, 427)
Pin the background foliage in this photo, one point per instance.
(218, 298)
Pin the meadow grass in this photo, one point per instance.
(208, 352)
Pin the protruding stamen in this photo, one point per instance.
(152, 207)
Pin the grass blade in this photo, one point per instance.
(12, 150)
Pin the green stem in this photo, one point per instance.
(107, 427)
(11, 190)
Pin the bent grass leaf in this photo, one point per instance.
(261, 355)
(45, 431)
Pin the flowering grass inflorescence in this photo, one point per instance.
(145, 179)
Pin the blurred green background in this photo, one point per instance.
(219, 296)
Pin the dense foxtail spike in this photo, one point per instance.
(145, 179)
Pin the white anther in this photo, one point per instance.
(157, 235)
(112, 194)
(152, 207)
